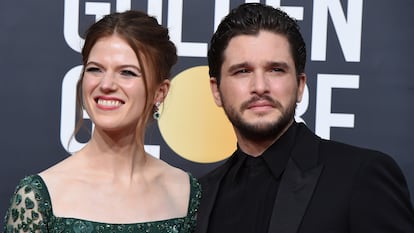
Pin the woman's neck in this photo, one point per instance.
(115, 155)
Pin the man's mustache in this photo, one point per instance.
(274, 103)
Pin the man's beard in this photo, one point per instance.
(260, 131)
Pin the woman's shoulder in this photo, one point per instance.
(176, 179)
(163, 171)
(31, 184)
(29, 206)
(62, 172)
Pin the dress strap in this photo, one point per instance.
(195, 196)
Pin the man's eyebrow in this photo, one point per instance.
(283, 65)
(237, 66)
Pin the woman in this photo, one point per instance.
(112, 184)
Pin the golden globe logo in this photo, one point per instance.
(191, 123)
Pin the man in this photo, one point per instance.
(283, 178)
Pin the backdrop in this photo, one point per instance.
(360, 80)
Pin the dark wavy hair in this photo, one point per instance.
(250, 19)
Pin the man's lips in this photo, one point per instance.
(260, 104)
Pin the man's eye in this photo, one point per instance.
(277, 70)
(242, 71)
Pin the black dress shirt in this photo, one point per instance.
(245, 199)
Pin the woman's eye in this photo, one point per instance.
(129, 73)
(92, 69)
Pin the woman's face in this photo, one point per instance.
(113, 88)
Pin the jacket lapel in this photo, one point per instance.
(295, 191)
(297, 184)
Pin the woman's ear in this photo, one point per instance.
(162, 91)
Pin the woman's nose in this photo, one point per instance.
(108, 82)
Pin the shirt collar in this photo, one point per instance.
(275, 157)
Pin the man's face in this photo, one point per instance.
(259, 87)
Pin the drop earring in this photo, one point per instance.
(156, 114)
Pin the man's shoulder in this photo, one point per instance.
(334, 149)
(343, 148)
(344, 154)
(217, 173)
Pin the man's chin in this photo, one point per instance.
(264, 129)
(263, 117)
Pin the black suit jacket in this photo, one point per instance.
(329, 187)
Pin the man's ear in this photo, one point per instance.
(215, 91)
(301, 87)
(162, 91)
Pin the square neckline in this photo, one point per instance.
(192, 195)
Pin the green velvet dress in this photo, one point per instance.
(31, 211)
